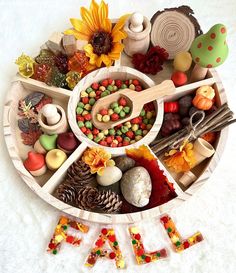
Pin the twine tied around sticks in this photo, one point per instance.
(191, 128)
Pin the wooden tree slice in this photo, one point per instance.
(174, 29)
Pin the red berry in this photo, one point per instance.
(171, 107)
(135, 121)
(103, 112)
(148, 259)
(186, 244)
(95, 131)
(79, 118)
(85, 100)
(113, 144)
(87, 117)
(179, 78)
(114, 117)
(104, 231)
(118, 83)
(137, 236)
(110, 81)
(52, 246)
(122, 102)
(143, 126)
(95, 86)
(135, 82)
(140, 252)
(99, 243)
(119, 138)
(138, 88)
(112, 238)
(83, 129)
(109, 139)
(130, 134)
(104, 83)
(112, 255)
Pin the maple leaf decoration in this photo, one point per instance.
(31, 137)
(152, 61)
(26, 110)
(45, 100)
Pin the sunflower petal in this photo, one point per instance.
(118, 36)
(81, 26)
(120, 24)
(78, 35)
(89, 53)
(87, 18)
(94, 12)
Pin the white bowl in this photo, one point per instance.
(114, 72)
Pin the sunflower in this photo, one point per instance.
(104, 41)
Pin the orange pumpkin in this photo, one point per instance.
(201, 102)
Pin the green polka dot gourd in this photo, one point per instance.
(210, 49)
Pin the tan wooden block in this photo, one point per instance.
(80, 44)
(54, 43)
(69, 44)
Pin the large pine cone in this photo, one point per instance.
(108, 202)
(80, 175)
(87, 198)
(66, 193)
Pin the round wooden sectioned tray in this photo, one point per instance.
(45, 185)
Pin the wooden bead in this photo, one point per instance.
(69, 44)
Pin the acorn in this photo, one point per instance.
(67, 142)
(170, 126)
(35, 164)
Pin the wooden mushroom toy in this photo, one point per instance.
(138, 28)
(55, 158)
(52, 119)
(208, 50)
(45, 143)
(35, 164)
(67, 142)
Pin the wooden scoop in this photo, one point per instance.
(135, 100)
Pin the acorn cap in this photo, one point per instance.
(210, 49)
(34, 161)
(67, 141)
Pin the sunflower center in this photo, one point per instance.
(101, 42)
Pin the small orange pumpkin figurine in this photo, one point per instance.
(203, 99)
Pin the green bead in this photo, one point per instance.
(98, 252)
(122, 114)
(110, 87)
(143, 257)
(81, 104)
(151, 121)
(90, 136)
(126, 109)
(124, 129)
(169, 229)
(80, 124)
(114, 105)
(117, 110)
(145, 121)
(138, 132)
(123, 86)
(115, 88)
(89, 89)
(134, 242)
(118, 132)
(79, 110)
(115, 243)
(104, 94)
(64, 227)
(54, 252)
(92, 101)
(112, 132)
(88, 124)
(142, 114)
(178, 243)
(97, 139)
(158, 254)
(127, 139)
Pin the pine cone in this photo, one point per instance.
(66, 193)
(79, 174)
(108, 202)
(87, 198)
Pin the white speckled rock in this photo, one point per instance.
(110, 176)
(136, 186)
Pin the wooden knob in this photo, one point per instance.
(136, 22)
(51, 114)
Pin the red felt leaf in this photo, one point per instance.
(31, 137)
(45, 100)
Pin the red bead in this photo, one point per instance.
(137, 236)
(171, 107)
(114, 144)
(110, 81)
(95, 86)
(135, 82)
(179, 78)
(125, 142)
(186, 244)
(114, 117)
(127, 82)
(118, 83)
(85, 100)
(91, 260)
(87, 117)
(135, 121)
(119, 138)
(120, 144)
(140, 252)
(112, 255)
(98, 93)
(109, 139)
(148, 259)
(103, 112)
(79, 118)
(95, 131)
(99, 243)
(143, 126)
(130, 134)
(163, 253)
(138, 88)
(165, 219)
(104, 231)
(103, 143)
(70, 239)
(122, 102)
(112, 238)
(52, 246)
(83, 129)
(104, 83)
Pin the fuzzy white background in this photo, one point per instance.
(27, 222)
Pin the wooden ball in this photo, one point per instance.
(179, 78)
(182, 61)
